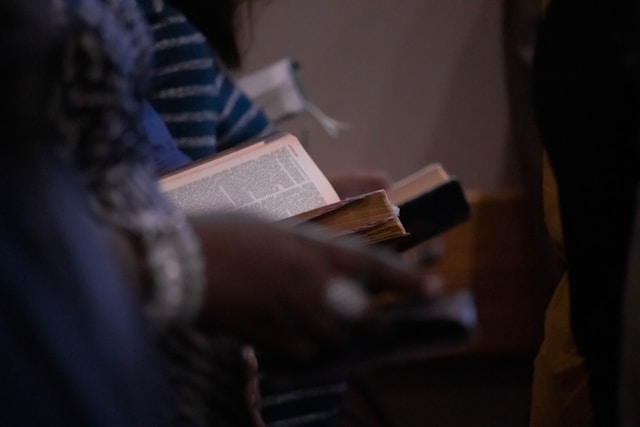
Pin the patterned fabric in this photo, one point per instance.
(98, 113)
(75, 349)
(101, 110)
(202, 107)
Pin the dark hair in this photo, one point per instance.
(219, 22)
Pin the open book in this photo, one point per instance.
(276, 178)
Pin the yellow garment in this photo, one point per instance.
(560, 395)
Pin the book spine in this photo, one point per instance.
(432, 213)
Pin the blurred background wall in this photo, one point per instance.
(418, 80)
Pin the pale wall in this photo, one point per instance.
(419, 80)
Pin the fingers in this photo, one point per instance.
(381, 270)
(297, 330)
(303, 291)
(252, 388)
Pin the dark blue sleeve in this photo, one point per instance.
(75, 347)
(166, 154)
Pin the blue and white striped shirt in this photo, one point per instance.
(202, 107)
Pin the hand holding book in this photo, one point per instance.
(277, 299)
(314, 237)
(275, 178)
(384, 327)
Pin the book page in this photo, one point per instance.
(417, 183)
(273, 179)
(369, 215)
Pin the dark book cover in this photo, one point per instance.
(400, 332)
(432, 213)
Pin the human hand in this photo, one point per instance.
(268, 284)
(353, 184)
(252, 388)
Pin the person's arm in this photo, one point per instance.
(268, 284)
(165, 153)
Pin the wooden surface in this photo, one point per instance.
(495, 254)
